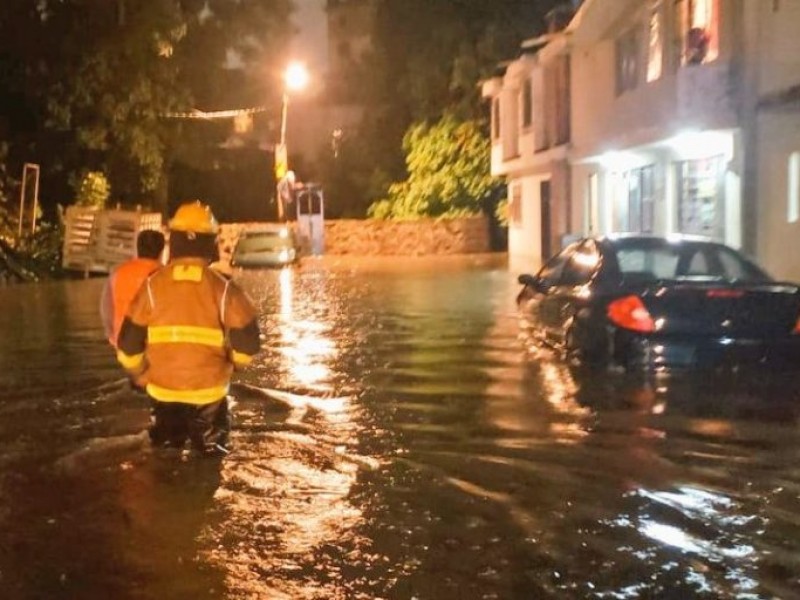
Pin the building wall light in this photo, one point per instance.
(693, 145)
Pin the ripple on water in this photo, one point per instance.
(396, 439)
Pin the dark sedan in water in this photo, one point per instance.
(653, 303)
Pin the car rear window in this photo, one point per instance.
(650, 261)
(263, 241)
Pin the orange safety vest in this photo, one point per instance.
(124, 283)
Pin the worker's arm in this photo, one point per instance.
(241, 324)
(132, 339)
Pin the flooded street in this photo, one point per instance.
(396, 439)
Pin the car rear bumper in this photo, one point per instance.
(653, 353)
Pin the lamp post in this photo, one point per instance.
(294, 78)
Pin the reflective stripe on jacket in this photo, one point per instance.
(186, 330)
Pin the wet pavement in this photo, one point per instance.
(396, 439)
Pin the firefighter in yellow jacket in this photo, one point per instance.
(186, 331)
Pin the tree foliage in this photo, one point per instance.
(93, 190)
(88, 83)
(427, 60)
(448, 172)
(432, 53)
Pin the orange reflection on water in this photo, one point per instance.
(560, 390)
(305, 345)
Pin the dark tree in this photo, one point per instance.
(90, 84)
(427, 61)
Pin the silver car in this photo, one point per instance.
(266, 247)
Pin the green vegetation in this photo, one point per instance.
(448, 173)
(33, 256)
(89, 86)
(93, 87)
(501, 212)
(93, 190)
(427, 60)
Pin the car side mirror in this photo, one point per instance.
(531, 281)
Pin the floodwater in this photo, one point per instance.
(396, 439)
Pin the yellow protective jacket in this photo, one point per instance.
(185, 331)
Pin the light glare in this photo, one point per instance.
(296, 76)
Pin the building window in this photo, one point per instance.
(701, 197)
(700, 28)
(496, 118)
(655, 41)
(527, 104)
(641, 199)
(541, 131)
(560, 119)
(793, 209)
(628, 54)
(592, 216)
(515, 206)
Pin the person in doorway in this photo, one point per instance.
(187, 329)
(126, 279)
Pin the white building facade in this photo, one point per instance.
(684, 118)
(530, 141)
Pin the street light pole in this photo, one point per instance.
(295, 78)
(284, 111)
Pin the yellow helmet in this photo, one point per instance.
(194, 216)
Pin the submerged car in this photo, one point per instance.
(653, 303)
(266, 247)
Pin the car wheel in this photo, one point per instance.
(591, 347)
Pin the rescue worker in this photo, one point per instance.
(126, 279)
(186, 331)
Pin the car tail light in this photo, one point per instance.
(725, 293)
(630, 313)
(796, 329)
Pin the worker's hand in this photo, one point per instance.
(140, 379)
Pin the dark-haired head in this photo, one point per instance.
(149, 243)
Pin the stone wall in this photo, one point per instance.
(407, 238)
(374, 237)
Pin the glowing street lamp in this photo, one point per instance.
(295, 78)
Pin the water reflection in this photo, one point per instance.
(397, 440)
(306, 349)
(284, 499)
(707, 539)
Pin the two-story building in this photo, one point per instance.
(684, 117)
(530, 132)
